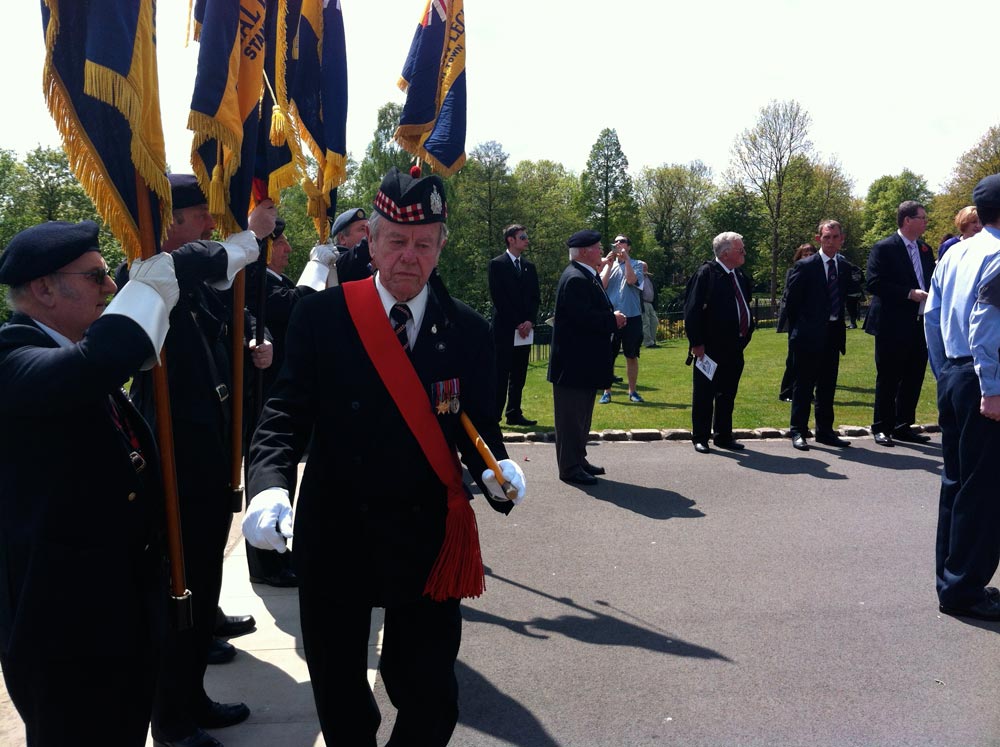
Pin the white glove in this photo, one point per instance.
(325, 254)
(511, 473)
(261, 220)
(148, 298)
(158, 273)
(241, 250)
(268, 520)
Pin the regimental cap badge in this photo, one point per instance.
(437, 204)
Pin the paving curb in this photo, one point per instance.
(680, 434)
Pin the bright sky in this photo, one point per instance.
(889, 84)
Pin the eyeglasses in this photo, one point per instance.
(97, 275)
(522, 237)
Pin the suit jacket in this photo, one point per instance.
(581, 354)
(890, 279)
(807, 304)
(353, 262)
(711, 317)
(371, 511)
(79, 525)
(515, 297)
(281, 295)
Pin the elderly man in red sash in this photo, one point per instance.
(376, 375)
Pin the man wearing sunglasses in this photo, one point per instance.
(81, 583)
(514, 290)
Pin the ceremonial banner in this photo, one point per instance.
(225, 106)
(432, 126)
(101, 87)
(318, 93)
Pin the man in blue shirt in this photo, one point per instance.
(962, 327)
(622, 278)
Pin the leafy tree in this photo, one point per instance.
(763, 157)
(982, 160)
(742, 210)
(884, 197)
(672, 202)
(381, 155)
(607, 192)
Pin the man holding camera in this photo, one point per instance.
(622, 278)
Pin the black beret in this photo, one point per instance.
(43, 249)
(404, 199)
(346, 218)
(987, 193)
(185, 192)
(279, 228)
(584, 238)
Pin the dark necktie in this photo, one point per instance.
(833, 288)
(742, 306)
(918, 270)
(400, 315)
(517, 265)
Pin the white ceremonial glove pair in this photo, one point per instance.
(511, 473)
(148, 298)
(268, 520)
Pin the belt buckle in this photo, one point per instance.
(223, 391)
(138, 461)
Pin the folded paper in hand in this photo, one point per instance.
(706, 365)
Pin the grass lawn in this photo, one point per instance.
(665, 384)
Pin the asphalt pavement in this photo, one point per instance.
(762, 597)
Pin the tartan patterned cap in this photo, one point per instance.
(405, 199)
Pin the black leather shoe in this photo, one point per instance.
(883, 439)
(221, 652)
(579, 477)
(520, 420)
(799, 442)
(221, 715)
(231, 626)
(832, 439)
(910, 436)
(593, 469)
(730, 444)
(701, 447)
(200, 738)
(284, 578)
(987, 609)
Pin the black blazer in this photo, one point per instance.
(515, 297)
(370, 512)
(890, 279)
(581, 338)
(807, 304)
(711, 317)
(75, 516)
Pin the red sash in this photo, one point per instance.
(458, 570)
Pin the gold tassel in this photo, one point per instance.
(217, 192)
(278, 133)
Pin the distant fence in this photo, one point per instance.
(672, 325)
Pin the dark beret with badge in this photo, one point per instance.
(279, 228)
(41, 250)
(346, 218)
(405, 198)
(185, 192)
(582, 239)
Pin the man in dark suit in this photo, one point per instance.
(82, 593)
(581, 361)
(514, 290)
(199, 364)
(374, 515)
(351, 244)
(817, 337)
(719, 323)
(899, 273)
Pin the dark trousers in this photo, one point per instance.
(180, 691)
(419, 649)
(788, 378)
(815, 371)
(87, 699)
(573, 408)
(512, 370)
(713, 400)
(900, 363)
(968, 531)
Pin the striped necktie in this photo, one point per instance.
(400, 315)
